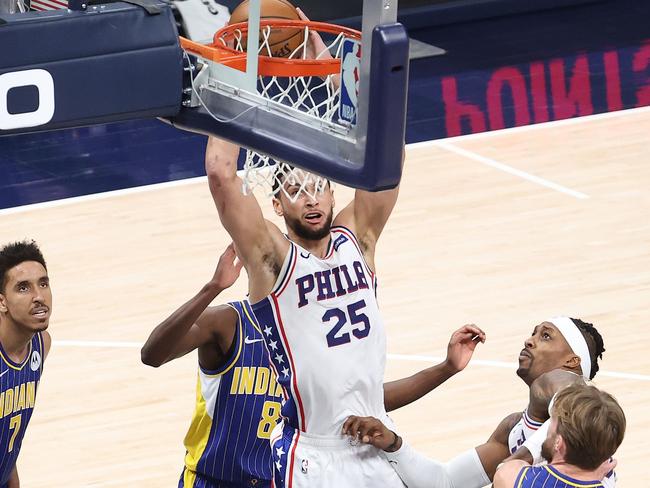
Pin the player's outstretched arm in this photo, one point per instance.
(240, 214)
(496, 450)
(367, 215)
(461, 346)
(193, 324)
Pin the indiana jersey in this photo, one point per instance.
(547, 476)
(325, 336)
(237, 407)
(526, 427)
(18, 385)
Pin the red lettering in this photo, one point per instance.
(613, 81)
(640, 64)
(455, 110)
(577, 101)
(513, 78)
(538, 92)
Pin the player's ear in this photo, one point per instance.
(277, 206)
(559, 445)
(573, 362)
(3, 303)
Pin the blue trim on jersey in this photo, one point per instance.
(539, 477)
(279, 357)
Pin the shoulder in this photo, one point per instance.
(47, 343)
(220, 319)
(507, 473)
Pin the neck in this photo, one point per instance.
(14, 339)
(574, 471)
(316, 247)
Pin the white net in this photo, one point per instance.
(312, 95)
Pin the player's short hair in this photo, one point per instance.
(595, 344)
(591, 423)
(15, 253)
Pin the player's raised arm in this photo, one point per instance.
(240, 214)
(367, 215)
(461, 346)
(193, 324)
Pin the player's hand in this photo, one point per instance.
(369, 430)
(227, 270)
(316, 48)
(461, 346)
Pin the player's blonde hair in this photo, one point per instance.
(591, 423)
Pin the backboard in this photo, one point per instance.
(355, 139)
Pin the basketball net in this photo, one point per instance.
(313, 95)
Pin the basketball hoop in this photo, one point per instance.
(304, 80)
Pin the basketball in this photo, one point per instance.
(282, 41)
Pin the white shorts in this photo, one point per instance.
(306, 461)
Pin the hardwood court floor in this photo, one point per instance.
(466, 243)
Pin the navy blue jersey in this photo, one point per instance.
(548, 477)
(237, 407)
(18, 385)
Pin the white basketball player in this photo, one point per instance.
(313, 292)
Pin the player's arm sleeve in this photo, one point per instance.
(535, 441)
(418, 471)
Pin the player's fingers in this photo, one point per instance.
(350, 425)
(301, 14)
(347, 423)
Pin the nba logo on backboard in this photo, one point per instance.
(350, 72)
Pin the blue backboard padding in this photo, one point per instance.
(117, 63)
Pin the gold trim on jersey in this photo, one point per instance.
(189, 477)
(571, 483)
(232, 363)
(252, 318)
(22, 365)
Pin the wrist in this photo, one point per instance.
(448, 368)
(213, 288)
(397, 443)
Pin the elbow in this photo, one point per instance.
(149, 359)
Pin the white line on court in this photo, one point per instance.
(508, 365)
(400, 357)
(415, 145)
(509, 169)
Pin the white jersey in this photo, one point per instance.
(526, 427)
(325, 336)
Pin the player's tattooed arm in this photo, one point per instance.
(495, 450)
(459, 351)
(259, 243)
(194, 325)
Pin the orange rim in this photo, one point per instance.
(218, 52)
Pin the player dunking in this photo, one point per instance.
(313, 294)
(587, 426)
(25, 306)
(238, 398)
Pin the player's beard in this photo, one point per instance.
(309, 233)
(547, 448)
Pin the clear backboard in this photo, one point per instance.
(338, 111)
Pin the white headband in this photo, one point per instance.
(576, 342)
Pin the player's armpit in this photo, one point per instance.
(495, 450)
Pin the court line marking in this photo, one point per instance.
(511, 170)
(415, 145)
(402, 357)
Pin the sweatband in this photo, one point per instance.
(535, 441)
(576, 341)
